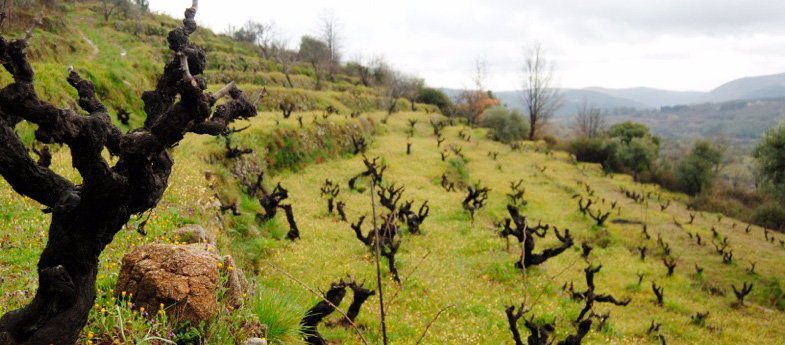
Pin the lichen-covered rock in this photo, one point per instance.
(193, 233)
(183, 278)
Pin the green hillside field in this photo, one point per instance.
(457, 277)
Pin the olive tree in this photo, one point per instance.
(770, 156)
(699, 168)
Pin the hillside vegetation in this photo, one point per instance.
(458, 273)
(459, 262)
(123, 56)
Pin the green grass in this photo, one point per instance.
(468, 266)
(455, 263)
(281, 312)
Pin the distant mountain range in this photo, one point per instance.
(642, 98)
(767, 86)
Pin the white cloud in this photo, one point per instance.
(681, 45)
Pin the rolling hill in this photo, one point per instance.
(767, 86)
(643, 98)
(653, 98)
(573, 100)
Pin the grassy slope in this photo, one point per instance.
(468, 266)
(121, 78)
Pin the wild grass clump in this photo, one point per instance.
(280, 311)
(458, 172)
(772, 291)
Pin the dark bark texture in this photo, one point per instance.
(387, 237)
(361, 294)
(321, 310)
(540, 335)
(331, 191)
(525, 234)
(294, 231)
(475, 199)
(86, 217)
(413, 220)
(590, 296)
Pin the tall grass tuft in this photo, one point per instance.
(279, 311)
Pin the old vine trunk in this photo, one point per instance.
(86, 217)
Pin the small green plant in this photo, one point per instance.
(772, 292)
(457, 171)
(187, 334)
(634, 287)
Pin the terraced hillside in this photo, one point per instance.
(465, 264)
(456, 277)
(468, 266)
(123, 57)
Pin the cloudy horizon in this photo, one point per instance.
(668, 44)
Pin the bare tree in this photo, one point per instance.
(265, 36)
(144, 5)
(590, 122)
(316, 53)
(414, 86)
(539, 94)
(284, 56)
(474, 102)
(329, 32)
(109, 6)
(359, 68)
(381, 71)
(400, 85)
(86, 216)
(480, 73)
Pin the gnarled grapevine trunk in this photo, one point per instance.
(67, 272)
(86, 217)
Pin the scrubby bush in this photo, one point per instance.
(711, 202)
(770, 215)
(770, 155)
(628, 130)
(663, 174)
(435, 97)
(505, 125)
(748, 197)
(589, 150)
(628, 148)
(550, 141)
(634, 156)
(697, 171)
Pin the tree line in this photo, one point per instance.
(630, 148)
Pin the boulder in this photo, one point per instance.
(183, 278)
(193, 233)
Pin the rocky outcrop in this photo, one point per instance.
(184, 278)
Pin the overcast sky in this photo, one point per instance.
(670, 44)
